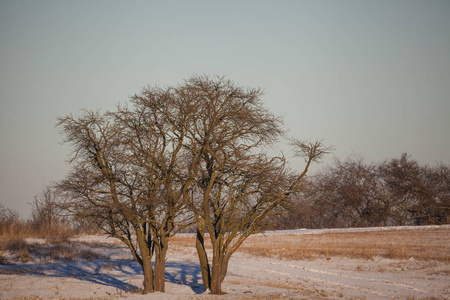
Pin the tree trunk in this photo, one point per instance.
(224, 268)
(202, 255)
(216, 284)
(160, 264)
(148, 274)
(147, 267)
(219, 269)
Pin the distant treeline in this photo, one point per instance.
(353, 193)
(349, 193)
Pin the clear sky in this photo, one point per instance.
(369, 77)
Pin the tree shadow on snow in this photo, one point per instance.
(98, 272)
(186, 273)
(94, 272)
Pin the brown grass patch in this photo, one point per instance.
(54, 234)
(184, 241)
(418, 243)
(13, 239)
(24, 252)
(422, 244)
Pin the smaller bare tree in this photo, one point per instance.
(45, 211)
(130, 173)
(106, 189)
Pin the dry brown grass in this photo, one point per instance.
(21, 251)
(185, 241)
(20, 230)
(56, 248)
(13, 238)
(432, 243)
(16, 245)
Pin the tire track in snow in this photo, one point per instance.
(392, 284)
(358, 288)
(408, 285)
(352, 277)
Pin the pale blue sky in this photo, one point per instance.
(369, 77)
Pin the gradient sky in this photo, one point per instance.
(371, 78)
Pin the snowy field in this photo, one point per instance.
(96, 267)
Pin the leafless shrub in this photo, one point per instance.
(24, 256)
(61, 252)
(47, 218)
(10, 224)
(18, 246)
(13, 244)
(45, 210)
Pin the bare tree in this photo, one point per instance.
(45, 210)
(420, 194)
(438, 180)
(298, 212)
(195, 149)
(9, 221)
(105, 188)
(350, 194)
(238, 186)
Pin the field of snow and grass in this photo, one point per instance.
(370, 263)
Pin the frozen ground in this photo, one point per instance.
(112, 274)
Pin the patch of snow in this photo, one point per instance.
(35, 241)
(361, 229)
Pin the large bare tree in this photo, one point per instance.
(197, 149)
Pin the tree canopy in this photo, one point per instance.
(193, 153)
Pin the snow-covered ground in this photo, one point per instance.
(355, 229)
(106, 270)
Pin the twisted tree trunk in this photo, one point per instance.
(202, 256)
(146, 257)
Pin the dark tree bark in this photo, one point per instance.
(160, 264)
(202, 255)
